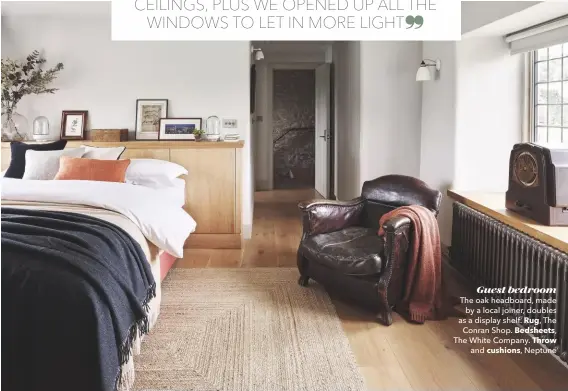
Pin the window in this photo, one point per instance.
(550, 95)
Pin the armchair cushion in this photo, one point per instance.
(323, 216)
(354, 251)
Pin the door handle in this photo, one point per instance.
(325, 135)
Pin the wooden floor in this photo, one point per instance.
(400, 357)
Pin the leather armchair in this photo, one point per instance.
(341, 249)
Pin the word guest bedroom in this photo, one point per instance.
(199, 215)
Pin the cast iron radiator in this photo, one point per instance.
(493, 254)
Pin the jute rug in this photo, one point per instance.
(245, 330)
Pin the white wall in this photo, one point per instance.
(347, 74)
(471, 118)
(377, 112)
(437, 149)
(456, 131)
(391, 102)
(489, 112)
(106, 77)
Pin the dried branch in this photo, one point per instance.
(26, 78)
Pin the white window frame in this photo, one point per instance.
(532, 91)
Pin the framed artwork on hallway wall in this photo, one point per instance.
(148, 115)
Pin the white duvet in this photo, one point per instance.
(163, 223)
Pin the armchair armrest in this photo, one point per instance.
(396, 223)
(396, 238)
(323, 216)
(397, 241)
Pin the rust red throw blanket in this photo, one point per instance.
(423, 293)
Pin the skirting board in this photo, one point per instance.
(247, 231)
(214, 241)
(262, 185)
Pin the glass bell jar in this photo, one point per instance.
(213, 128)
(40, 130)
(14, 127)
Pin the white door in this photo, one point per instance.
(322, 143)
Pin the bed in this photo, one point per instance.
(84, 326)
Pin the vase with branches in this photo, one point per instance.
(21, 78)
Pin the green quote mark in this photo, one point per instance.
(412, 21)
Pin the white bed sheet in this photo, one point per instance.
(160, 220)
(176, 192)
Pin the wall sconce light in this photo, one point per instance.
(424, 73)
(258, 54)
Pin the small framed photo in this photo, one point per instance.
(179, 128)
(148, 114)
(73, 124)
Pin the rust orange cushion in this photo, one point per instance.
(91, 169)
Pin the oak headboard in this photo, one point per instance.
(212, 188)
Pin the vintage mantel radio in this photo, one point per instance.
(538, 183)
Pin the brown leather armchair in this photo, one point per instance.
(341, 249)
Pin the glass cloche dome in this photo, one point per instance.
(213, 128)
(40, 129)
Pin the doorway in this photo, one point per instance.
(293, 128)
(293, 117)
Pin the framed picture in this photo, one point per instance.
(148, 114)
(73, 124)
(178, 128)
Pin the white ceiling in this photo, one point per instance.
(286, 52)
(296, 47)
(476, 14)
(529, 17)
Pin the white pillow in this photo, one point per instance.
(155, 182)
(153, 173)
(43, 165)
(102, 153)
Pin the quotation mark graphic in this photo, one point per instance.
(414, 20)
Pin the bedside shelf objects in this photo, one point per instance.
(231, 137)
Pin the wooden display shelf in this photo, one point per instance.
(150, 144)
(493, 204)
